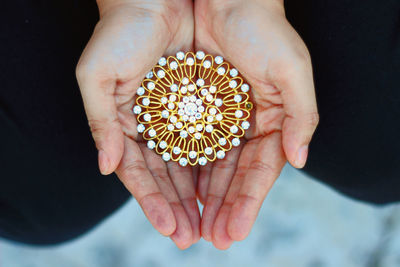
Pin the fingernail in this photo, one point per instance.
(301, 156)
(104, 162)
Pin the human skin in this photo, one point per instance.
(127, 42)
(256, 38)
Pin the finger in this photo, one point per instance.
(97, 94)
(134, 174)
(296, 85)
(182, 236)
(221, 238)
(221, 177)
(262, 172)
(182, 179)
(203, 181)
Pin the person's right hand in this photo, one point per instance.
(128, 41)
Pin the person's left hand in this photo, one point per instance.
(258, 40)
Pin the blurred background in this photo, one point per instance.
(302, 223)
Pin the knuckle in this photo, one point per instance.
(313, 119)
(262, 167)
(134, 168)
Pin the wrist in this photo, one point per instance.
(157, 6)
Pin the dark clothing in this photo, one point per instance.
(50, 186)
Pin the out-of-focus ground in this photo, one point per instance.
(302, 223)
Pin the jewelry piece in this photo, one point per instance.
(193, 108)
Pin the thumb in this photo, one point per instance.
(101, 111)
(298, 94)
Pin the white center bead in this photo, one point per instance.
(190, 109)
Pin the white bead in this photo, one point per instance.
(177, 150)
(245, 125)
(197, 136)
(212, 111)
(200, 55)
(179, 125)
(192, 119)
(150, 85)
(234, 129)
(183, 90)
(199, 127)
(210, 119)
(163, 144)
(164, 100)
(200, 109)
(191, 87)
(208, 151)
(174, 88)
(173, 119)
(170, 127)
(145, 101)
(233, 72)
(185, 99)
(218, 102)
(221, 154)
(190, 61)
(200, 82)
(202, 161)
(207, 64)
(192, 154)
(171, 105)
(219, 117)
(140, 91)
(181, 112)
(161, 74)
(190, 109)
(197, 115)
(180, 55)
(152, 133)
(209, 128)
(166, 156)
(209, 98)
(140, 128)
(151, 144)
(233, 84)
(191, 129)
(237, 98)
(181, 105)
(199, 102)
(183, 162)
(162, 61)
(236, 141)
(192, 98)
(185, 117)
(137, 109)
(219, 59)
(149, 75)
(183, 134)
(221, 70)
(222, 141)
(238, 113)
(147, 117)
(204, 91)
(172, 98)
(185, 80)
(245, 87)
(213, 89)
(173, 65)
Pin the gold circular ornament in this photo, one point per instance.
(193, 108)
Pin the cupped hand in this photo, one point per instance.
(127, 42)
(258, 40)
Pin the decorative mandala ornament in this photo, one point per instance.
(193, 108)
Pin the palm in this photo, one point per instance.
(121, 51)
(251, 39)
